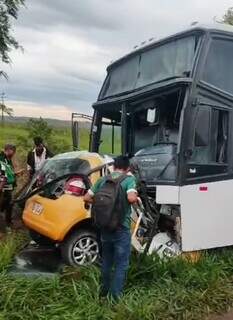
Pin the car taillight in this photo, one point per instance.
(75, 186)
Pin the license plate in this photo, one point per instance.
(37, 208)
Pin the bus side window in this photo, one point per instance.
(210, 136)
(202, 127)
(219, 65)
(221, 118)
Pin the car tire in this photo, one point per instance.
(81, 248)
(40, 239)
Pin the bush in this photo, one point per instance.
(56, 140)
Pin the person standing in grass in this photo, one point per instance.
(37, 156)
(3, 180)
(7, 182)
(116, 244)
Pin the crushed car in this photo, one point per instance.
(55, 213)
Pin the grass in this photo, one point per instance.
(61, 139)
(11, 133)
(8, 247)
(173, 289)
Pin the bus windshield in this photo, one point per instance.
(170, 60)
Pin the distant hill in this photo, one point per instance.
(56, 123)
(51, 122)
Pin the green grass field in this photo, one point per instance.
(61, 140)
(11, 133)
(166, 290)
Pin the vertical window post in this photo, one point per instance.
(124, 128)
(113, 138)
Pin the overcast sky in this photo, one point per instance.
(69, 43)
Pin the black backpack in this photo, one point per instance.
(108, 204)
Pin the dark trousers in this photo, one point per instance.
(115, 261)
(6, 206)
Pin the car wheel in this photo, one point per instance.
(81, 248)
(39, 239)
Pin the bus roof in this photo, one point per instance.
(214, 27)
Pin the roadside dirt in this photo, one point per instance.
(17, 222)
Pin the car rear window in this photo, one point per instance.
(55, 168)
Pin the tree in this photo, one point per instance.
(4, 109)
(52, 137)
(35, 128)
(39, 127)
(8, 10)
(228, 17)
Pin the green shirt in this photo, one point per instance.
(8, 170)
(128, 185)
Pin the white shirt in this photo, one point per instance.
(39, 160)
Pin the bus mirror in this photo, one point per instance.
(202, 127)
(151, 115)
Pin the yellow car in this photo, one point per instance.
(56, 212)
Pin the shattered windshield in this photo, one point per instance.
(59, 166)
(170, 60)
(56, 167)
(162, 148)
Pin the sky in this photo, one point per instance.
(69, 43)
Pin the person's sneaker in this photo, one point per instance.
(103, 294)
(114, 299)
(8, 230)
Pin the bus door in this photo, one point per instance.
(206, 194)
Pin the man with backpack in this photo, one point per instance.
(111, 199)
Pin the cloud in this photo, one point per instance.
(68, 45)
(25, 108)
(88, 14)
